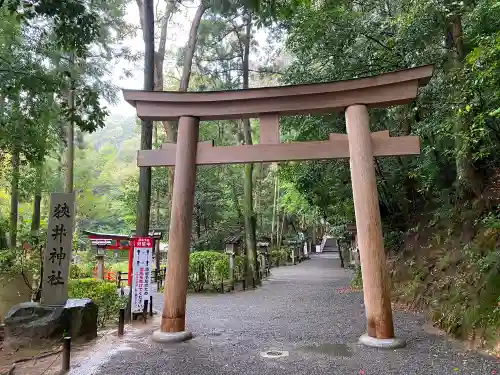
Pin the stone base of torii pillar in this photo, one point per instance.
(394, 343)
(171, 337)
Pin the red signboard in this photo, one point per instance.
(142, 266)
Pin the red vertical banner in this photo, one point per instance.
(141, 270)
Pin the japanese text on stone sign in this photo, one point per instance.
(58, 250)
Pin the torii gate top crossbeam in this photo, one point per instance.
(384, 90)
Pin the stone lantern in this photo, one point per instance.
(233, 248)
(263, 250)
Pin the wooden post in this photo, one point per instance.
(121, 322)
(176, 281)
(66, 355)
(369, 229)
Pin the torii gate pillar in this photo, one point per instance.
(369, 228)
(173, 319)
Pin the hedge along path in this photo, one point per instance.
(103, 293)
(212, 268)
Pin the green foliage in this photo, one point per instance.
(394, 240)
(119, 266)
(207, 267)
(455, 115)
(26, 261)
(285, 254)
(341, 234)
(75, 26)
(221, 272)
(357, 279)
(7, 261)
(103, 293)
(280, 256)
(274, 255)
(458, 285)
(239, 267)
(80, 271)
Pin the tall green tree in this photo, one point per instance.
(144, 201)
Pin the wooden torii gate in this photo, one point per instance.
(268, 104)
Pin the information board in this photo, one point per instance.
(142, 264)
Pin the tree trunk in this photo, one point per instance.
(158, 61)
(248, 209)
(157, 258)
(70, 151)
(313, 235)
(3, 239)
(171, 126)
(155, 222)
(198, 226)
(249, 219)
(191, 47)
(160, 55)
(35, 218)
(144, 198)
(14, 199)
(144, 194)
(275, 208)
(236, 202)
(3, 235)
(280, 230)
(468, 180)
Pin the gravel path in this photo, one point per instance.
(302, 310)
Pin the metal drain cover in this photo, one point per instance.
(274, 353)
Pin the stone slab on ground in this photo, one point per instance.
(30, 323)
(304, 311)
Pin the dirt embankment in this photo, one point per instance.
(454, 276)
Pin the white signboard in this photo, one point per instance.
(141, 271)
(100, 241)
(57, 255)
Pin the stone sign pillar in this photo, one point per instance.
(57, 257)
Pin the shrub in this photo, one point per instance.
(280, 256)
(104, 295)
(357, 280)
(285, 254)
(394, 240)
(239, 267)
(207, 267)
(77, 271)
(81, 270)
(275, 256)
(119, 266)
(221, 272)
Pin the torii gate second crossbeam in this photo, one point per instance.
(268, 104)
